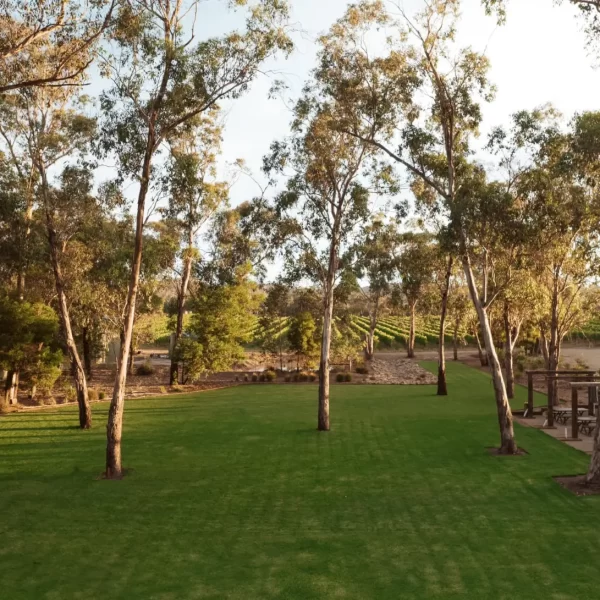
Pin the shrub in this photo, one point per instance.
(145, 369)
(362, 370)
(296, 377)
(92, 395)
(254, 377)
(49, 401)
(262, 377)
(246, 378)
(312, 377)
(70, 393)
(163, 389)
(536, 363)
(581, 364)
(340, 378)
(271, 375)
(287, 378)
(348, 377)
(101, 395)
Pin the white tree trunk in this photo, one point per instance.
(508, 444)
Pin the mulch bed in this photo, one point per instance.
(576, 485)
(496, 452)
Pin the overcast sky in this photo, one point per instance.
(538, 57)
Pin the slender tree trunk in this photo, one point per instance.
(181, 298)
(455, 340)
(483, 359)
(323, 415)
(85, 411)
(25, 248)
(593, 474)
(508, 353)
(370, 342)
(130, 366)
(508, 444)
(544, 348)
(87, 354)
(553, 348)
(442, 387)
(411, 335)
(114, 428)
(11, 386)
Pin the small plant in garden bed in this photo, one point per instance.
(145, 369)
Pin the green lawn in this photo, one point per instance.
(234, 495)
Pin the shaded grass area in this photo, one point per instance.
(234, 495)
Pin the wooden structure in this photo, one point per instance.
(592, 388)
(551, 377)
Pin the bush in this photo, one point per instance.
(246, 378)
(287, 378)
(362, 370)
(296, 377)
(101, 395)
(254, 377)
(145, 369)
(49, 401)
(70, 393)
(348, 377)
(163, 389)
(271, 375)
(340, 378)
(262, 377)
(312, 377)
(92, 395)
(581, 364)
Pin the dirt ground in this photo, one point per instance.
(388, 367)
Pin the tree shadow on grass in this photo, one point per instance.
(45, 428)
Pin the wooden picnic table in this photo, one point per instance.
(587, 424)
(576, 419)
(552, 377)
(564, 413)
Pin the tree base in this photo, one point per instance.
(578, 485)
(507, 452)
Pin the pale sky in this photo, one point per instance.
(538, 57)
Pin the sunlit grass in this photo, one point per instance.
(233, 494)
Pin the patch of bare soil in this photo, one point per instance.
(399, 371)
(496, 452)
(577, 485)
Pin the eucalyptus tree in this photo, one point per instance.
(45, 129)
(415, 265)
(589, 10)
(432, 141)
(442, 280)
(328, 173)
(460, 312)
(163, 80)
(60, 34)
(557, 188)
(376, 257)
(194, 197)
(273, 310)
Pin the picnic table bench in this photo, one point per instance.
(564, 413)
(587, 422)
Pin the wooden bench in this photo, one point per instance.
(587, 424)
